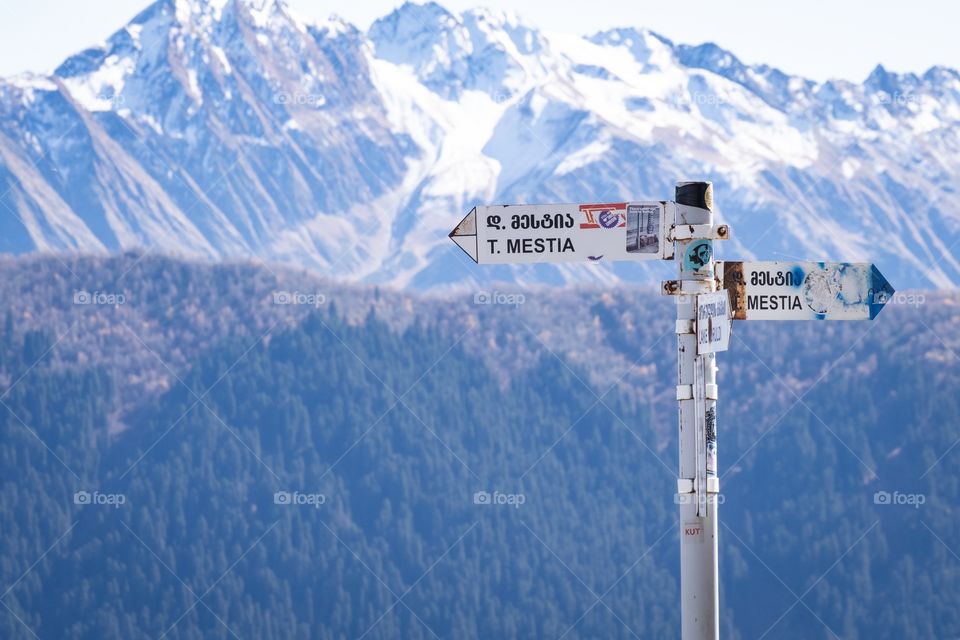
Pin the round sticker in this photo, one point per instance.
(821, 290)
(698, 255)
(608, 219)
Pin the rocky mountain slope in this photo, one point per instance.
(231, 128)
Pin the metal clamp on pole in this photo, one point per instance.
(686, 287)
(686, 485)
(698, 232)
(686, 392)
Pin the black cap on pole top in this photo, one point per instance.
(695, 194)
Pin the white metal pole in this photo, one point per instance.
(697, 483)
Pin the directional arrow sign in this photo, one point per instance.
(511, 234)
(805, 290)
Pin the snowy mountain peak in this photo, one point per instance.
(193, 12)
(428, 39)
(646, 47)
(190, 48)
(335, 26)
(490, 26)
(480, 49)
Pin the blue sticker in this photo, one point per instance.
(608, 219)
(698, 255)
(798, 275)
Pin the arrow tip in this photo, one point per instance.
(465, 234)
(882, 291)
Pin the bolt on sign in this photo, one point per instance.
(522, 234)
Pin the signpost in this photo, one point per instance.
(709, 295)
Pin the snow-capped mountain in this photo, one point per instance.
(231, 129)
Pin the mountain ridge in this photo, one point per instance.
(228, 129)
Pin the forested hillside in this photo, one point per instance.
(235, 129)
(201, 457)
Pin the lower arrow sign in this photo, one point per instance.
(804, 290)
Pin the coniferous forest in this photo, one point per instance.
(200, 456)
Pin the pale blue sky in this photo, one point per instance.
(818, 39)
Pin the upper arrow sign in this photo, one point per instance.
(513, 234)
(805, 290)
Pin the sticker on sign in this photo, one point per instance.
(713, 322)
(805, 290)
(517, 234)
